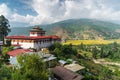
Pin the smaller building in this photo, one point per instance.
(62, 62)
(17, 52)
(46, 57)
(14, 53)
(61, 73)
(74, 67)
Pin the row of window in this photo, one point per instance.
(31, 41)
(37, 33)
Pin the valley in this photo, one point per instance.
(91, 43)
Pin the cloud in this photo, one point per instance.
(13, 16)
(56, 10)
(4, 10)
(19, 18)
(48, 11)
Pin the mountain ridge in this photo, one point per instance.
(77, 29)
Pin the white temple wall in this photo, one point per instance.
(25, 45)
(36, 45)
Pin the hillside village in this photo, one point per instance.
(45, 57)
(59, 39)
(37, 43)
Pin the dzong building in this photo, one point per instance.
(37, 39)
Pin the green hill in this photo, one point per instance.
(77, 29)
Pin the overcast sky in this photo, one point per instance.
(33, 12)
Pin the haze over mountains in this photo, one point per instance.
(76, 29)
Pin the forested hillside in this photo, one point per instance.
(77, 29)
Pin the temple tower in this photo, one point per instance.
(36, 31)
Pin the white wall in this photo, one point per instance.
(36, 45)
(33, 34)
(25, 44)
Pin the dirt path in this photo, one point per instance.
(104, 62)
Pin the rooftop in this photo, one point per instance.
(14, 53)
(17, 52)
(33, 38)
(37, 29)
(74, 67)
(66, 74)
(62, 62)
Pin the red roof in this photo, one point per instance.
(15, 44)
(17, 52)
(31, 37)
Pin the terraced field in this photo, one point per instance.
(77, 42)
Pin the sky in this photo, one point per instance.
(22, 13)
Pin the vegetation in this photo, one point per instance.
(4, 27)
(5, 72)
(104, 51)
(97, 72)
(98, 48)
(63, 51)
(5, 57)
(85, 55)
(30, 67)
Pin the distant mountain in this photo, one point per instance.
(77, 29)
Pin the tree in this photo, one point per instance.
(102, 52)
(115, 47)
(55, 45)
(68, 50)
(105, 74)
(63, 51)
(82, 47)
(4, 27)
(31, 68)
(5, 72)
(5, 57)
(94, 51)
(8, 42)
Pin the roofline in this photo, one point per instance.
(32, 38)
